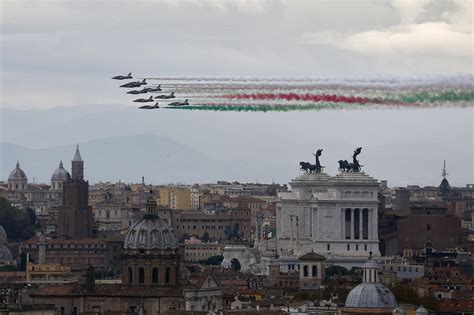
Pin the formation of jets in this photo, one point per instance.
(144, 90)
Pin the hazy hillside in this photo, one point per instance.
(121, 142)
(159, 159)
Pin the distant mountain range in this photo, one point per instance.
(127, 158)
(166, 146)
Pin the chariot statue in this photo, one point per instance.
(313, 168)
(355, 166)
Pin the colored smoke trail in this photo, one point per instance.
(305, 94)
(425, 97)
(306, 97)
(283, 108)
(449, 96)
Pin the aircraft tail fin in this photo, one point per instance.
(129, 74)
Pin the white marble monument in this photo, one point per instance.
(333, 216)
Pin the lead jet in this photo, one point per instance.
(149, 106)
(144, 100)
(123, 77)
(179, 103)
(134, 84)
(164, 97)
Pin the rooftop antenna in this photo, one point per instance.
(444, 173)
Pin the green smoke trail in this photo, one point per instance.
(448, 96)
(268, 108)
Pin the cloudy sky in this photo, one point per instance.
(57, 53)
(62, 53)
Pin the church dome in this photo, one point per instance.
(150, 232)
(369, 264)
(60, 174)
(371, 295)
(17, 174)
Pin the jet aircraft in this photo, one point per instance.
(149, 106)
(144, 100)
(144, 90)
(179, 103)
(166, 96)
(134, 84)
(123, 77)
(156, 89)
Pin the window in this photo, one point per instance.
(315, 271)
(357, 246)
(348, 247)
(167, 275)
(154, 276)
(130, 275)
(365, 247)
(141, 275)
(305, 271)
(328, 247)
(428, 227)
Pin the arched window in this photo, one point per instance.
(305, 271)
(315, 271)
(141, 275)
(154, 276)
(130, 275)
(167, 275)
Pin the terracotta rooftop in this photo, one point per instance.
(312, 256)
(456, 305)
(108, 290)
(35, 240)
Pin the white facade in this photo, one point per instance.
(333, 216)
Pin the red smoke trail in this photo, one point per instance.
(308, 97)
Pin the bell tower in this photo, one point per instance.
(77, 166)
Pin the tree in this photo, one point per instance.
(17, 222)
(336, 270)
(213, 260)
(5, 268)
(235, 264)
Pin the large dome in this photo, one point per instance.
(371, 295)
(17, 174)
(60, 174)
(150, 233)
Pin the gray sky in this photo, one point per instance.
(58, 53)
(62, 53)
